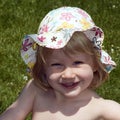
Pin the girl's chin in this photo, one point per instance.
(72, 93)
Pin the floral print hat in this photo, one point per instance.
(56, 29)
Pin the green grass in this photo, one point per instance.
(21, 17)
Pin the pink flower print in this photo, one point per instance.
(26, 44)
(41, 39)
(59, 42)
(67, 16)
(97, 31)
(44, 29)
(83, 13)
(107, 59)
(53, 39)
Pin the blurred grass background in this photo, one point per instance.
(21, 17)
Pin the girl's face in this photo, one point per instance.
(69, 75)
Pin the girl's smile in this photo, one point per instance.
(70, 85)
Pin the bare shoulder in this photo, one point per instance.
(31, 88)
(110, 104)
(109, 109)
(30, 85)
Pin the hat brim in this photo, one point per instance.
(57, 40)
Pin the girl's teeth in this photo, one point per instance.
(67, 84)
(70, 84)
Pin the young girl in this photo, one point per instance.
(67, 63)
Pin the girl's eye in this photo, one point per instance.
(78, 62)
(56, 64)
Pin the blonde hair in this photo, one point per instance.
(78, 43)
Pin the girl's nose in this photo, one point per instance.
(68, 73)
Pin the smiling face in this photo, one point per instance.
(69, 75)
(70, 58)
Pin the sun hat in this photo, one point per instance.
(56, 29)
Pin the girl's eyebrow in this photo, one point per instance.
(53, 61)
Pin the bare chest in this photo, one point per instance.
(65, 114)
(46, 109)
(60, 116)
